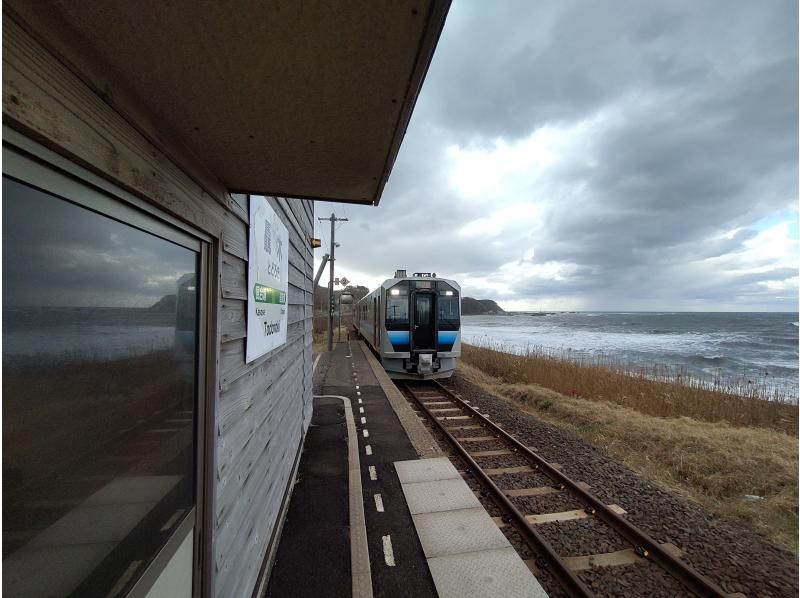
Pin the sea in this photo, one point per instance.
(95, 333)
(740, 348)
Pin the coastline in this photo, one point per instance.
(744, 353)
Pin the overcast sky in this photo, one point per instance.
(598, 156)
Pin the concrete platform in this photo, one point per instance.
(418, 530)
(313, 557)
(467, 554)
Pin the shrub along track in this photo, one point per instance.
(576, 542)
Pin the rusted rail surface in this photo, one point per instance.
(644, 545)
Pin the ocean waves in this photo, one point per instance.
(744, 347)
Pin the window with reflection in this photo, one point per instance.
(99, 396)
(449, 316)
(422, 316)
(397, 307)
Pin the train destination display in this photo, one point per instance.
(267, 279)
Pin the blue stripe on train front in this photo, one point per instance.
(401, 337)
(398, 337)
(447, 338)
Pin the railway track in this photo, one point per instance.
(468, 431)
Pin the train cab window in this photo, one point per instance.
(397, 307)
(449, 317)
(100, 391)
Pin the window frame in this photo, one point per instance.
(32, 164)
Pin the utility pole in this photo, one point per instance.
(331, 302)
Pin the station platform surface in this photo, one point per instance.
(467, 553)
(340, 539)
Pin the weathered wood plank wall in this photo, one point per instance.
(262, 409)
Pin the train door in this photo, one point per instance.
(424, 329)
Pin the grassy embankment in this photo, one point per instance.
(710, 446)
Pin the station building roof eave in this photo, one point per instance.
(307, 100)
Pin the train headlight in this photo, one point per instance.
(396, 292)
(448, 293)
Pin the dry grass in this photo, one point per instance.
(651, 391)
(714, 464)
(320, 344)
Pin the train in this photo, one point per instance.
(413, 324)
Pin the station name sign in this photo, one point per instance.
(267, 279)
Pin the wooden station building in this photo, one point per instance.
(143, 453)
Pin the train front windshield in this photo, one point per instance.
(397, 307)
(449, 316)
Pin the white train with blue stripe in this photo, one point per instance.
(413, 323)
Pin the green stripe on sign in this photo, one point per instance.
(264, 294)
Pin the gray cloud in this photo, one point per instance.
(680, 121)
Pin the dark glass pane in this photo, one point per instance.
(448, 308)
(397, 307)
(423, 315)
(99, 358)
(449, 318)
(397, 310)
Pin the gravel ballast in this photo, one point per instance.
(731, 554)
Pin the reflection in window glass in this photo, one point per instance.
(396, 311)
(448, 313)
(449, 317)
(448, 308)
(99, 353)
(422, 316)
(397, 307)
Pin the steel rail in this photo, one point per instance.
(563, 574)
(644, 545)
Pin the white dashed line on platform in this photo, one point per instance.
(388, 553)
(356, 386)
(378, 503)
(368, 449)
(363, 420)
(360, 401)
(361, 410)
(373, 473)
(365, 432)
